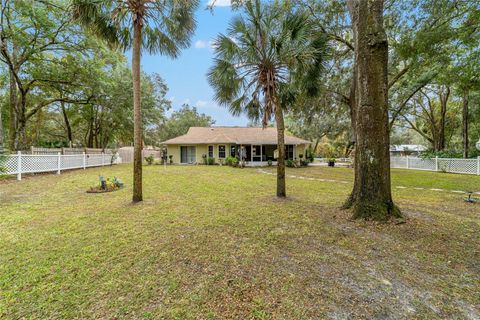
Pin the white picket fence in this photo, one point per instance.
(18, 164)
(466, 166)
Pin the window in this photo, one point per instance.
(256, 153)
(232, 151)
(221, 151)
(210, 151)
(289, 152)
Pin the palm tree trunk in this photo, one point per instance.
(281, 192)
(371, 196)
(137, 113)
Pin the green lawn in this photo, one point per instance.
(213, 243)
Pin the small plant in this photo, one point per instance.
(269, 163)
(170, 157)
(331, 162)
(290, 163)
(210, 161)
(107, 185)
(149, 159)
(204, 157)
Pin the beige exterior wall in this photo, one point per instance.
(202, 149)
(300, 149)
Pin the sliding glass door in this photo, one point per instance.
(187, 154)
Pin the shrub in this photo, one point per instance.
(171, 159)
(309, 155)
(304, 163)
(210, 161)
(231, 161)
(149, 159)
(290, 163)
(204, 157)
(269, 163)
(3, 167)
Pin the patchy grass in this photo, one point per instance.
(213, 243)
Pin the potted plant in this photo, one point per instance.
(149, 159)
(331, 162)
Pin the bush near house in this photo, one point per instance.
(210, 161)
(231, 161)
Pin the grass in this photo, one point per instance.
(213, 243)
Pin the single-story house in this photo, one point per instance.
(402, 150)
(257, 145)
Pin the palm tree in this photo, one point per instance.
(158, 26)
(267, 53)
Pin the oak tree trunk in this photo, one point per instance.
(281, 189)
(371, 196)
(137, 113)
(465, 124)
(12, 128)
(67, 123)
(444, 95)
(1, 132)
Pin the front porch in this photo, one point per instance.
(258, 155)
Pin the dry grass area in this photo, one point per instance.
(214, 243)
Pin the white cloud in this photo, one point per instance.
(200, 44)
(219, 3)
(201, 103)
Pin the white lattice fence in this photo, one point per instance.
(26, 163)
(466, 166)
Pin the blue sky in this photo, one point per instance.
(186, 75)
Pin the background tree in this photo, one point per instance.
(154, 25)
(37, 42)
(178, 124)
(267, 47)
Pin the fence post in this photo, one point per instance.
(19, 165)
(59, 162)
(407, 163)
(436, 163)
(84, 160)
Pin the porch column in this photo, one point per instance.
(261, 153)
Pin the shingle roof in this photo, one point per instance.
(237, 135)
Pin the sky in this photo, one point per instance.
(186, 75)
